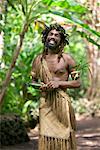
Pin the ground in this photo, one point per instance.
(88, 136)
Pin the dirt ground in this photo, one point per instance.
(88, 136)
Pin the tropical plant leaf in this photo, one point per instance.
(11, 4)
(48, 2)
(70, 6)
(26, 106)
(75, 21)
(39, 24)
(84, 35)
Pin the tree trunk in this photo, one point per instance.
(93, 53)
(1, 48)
(2, 11)
(15, 56)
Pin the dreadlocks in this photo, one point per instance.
(64, 39)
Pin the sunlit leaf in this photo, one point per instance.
(70, 6)
(76, 21)
(11, 4)
(47, 2)
(26, 106)
(84, 35)
(39, 24)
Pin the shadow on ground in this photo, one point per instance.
(88, 136)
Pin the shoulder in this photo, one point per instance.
(67, 55)
(69, 59)
(35, 64)
(37, 59)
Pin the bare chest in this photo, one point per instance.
(58, 69)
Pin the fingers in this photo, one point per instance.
(49, 86)
(43, 87)
(53, 84)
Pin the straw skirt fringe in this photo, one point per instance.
(51, 143)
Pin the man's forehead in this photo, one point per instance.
(54, 31)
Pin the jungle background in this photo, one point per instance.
(21, 24)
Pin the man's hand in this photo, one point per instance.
(43, 87)
(53, 84)
(50, 85)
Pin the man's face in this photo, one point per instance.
(53, 39)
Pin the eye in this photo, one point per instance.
(57, 35)
(51, 33)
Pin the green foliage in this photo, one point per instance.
(73, 11)
(13, 101)
(30, 109)
(15, 96)
(19, 98)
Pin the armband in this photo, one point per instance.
(76, 74)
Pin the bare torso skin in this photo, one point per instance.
(60, 70)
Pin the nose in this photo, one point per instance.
(53, 35)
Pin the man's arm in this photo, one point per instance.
(64, 84)
(75, 82)
(35, 68)
(69, 84)
(33, 72)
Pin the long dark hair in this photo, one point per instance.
(64, 39)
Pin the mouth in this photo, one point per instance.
(52, 42)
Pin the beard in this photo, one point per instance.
(52, 44)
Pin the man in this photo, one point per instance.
(52, 68)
